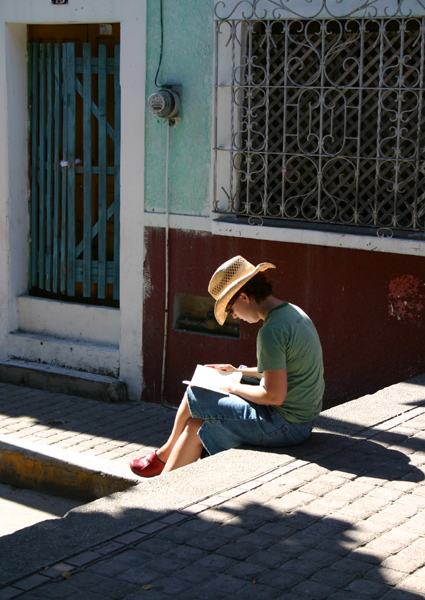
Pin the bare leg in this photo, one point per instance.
(188, 447)
(183, 416)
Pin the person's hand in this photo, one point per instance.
(228, 385)
(223, 367)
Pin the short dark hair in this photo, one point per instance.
(258, 287)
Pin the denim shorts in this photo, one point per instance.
(231, 422)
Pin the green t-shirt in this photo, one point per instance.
(288, 340)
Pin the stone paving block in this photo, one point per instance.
(415, 582)
(127, 558)
(89, 595)
(237, 549)
(130, 538)
(186, 554)
(115, 590)
(230, 532)
(142, 595)
(323, 484)
(61, 589)
(320, 558)
(248, 571)
(290, 501)
(406, 510)
(325, 503)
(9, 592)
(346, 595)
(108, 547)
(409, 559)
(215, 563)
(196, 575)
(176, 535)
(365, 507)
(372, 589)
(83, 559)
(162, 565)
(329, 545)
(86, 580)
(215, 515)
(386, 493)
(400, 484)
(358, 536)
(298, 566)
(259, 539)
(225, 583)
(154, 545)
(279, 528)
(152, 527)
(204, 592)
(290, 548)
(401, 594)
(390, 576)
(404, 534)
(257, 591)
(58, 569)
(193, 526)
(28, 583)
(206, 541)
(381, 548)
(333, 577)
(413, 499)
(268, 558)
(109, 568)
(311, 471)
(251, 519)
(355, 566)
(281, 580)
(351, 491)
(314, 590)
(113, 454)
(136, 575)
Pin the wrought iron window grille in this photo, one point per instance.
(321, 122)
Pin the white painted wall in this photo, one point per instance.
(121, 329)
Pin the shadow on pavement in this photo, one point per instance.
(240, 549)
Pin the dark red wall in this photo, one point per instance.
(368, 307)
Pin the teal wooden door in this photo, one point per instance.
(74, 116)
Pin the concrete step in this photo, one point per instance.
(78, 355)
(60, 472)
(61, 380)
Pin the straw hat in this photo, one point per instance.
(228, 279)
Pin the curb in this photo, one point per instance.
(60, 472)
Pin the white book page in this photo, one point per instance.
(211, 379)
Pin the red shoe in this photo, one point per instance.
(150, 466)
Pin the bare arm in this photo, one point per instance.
(247, 371)
(272, 392)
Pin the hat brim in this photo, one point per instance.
(224, 298)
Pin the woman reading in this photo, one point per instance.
(281, 410)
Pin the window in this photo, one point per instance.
(320, 124)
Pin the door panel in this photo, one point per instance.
(75, 168)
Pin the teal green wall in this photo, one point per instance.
(187, 60)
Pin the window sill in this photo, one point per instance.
(414, 247)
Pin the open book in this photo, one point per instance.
(211, 379)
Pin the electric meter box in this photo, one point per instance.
(165, 103)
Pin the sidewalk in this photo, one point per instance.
(340, 517)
